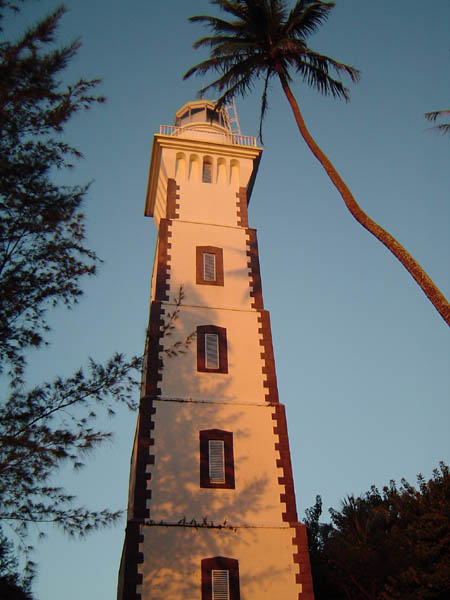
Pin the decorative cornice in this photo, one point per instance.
(193, 145)
(206, 146)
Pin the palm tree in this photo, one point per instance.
(440, 127)
(264, 39)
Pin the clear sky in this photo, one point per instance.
(363, 359)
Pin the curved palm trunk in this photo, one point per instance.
(412, 266)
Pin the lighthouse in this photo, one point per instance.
(212, 511)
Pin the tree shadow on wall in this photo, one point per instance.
(180, 375)
(188, 522)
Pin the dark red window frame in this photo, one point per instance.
(218, 253)
(221, 332)
(227, 438)
(220, 563)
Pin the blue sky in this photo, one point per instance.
(363, 359)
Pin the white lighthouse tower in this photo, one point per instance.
(212, 513)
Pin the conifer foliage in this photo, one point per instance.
(13, 586)
(43, 259)
(51, 424)
(389, 545)
(42, 251)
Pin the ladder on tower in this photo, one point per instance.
(233, 118)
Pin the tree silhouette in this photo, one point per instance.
(43, 259)
(387, 545)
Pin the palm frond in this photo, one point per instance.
(215, 41)
(324, 63)
(215, 24)
(241, 87)
(307, 16)
(264, 38)
(237, 8)
(236, 80)
(443, 128)
(245, 71)
(432, 116)
(224, 64)
(238, 47)
(319, 79)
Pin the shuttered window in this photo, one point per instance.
(207, 172)
(216, 461)
(209, 267)
(220, 585)
(220, 578)
(211, 350)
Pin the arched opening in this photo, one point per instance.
(180, 167)
(193, 168)
(234, 172)
(221, 171)
(207, 170)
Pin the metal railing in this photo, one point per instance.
(222, 137)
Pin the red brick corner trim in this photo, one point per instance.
(301, 558)
(267, 356)
(172, 206)
(255, 272)
(241, 204)
(163, 268)
(129, 575)
(151, 372)
(284, 462)
(144, 458)
(300, 540)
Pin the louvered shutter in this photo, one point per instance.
(211, 350)
(209, 267)
(207, 172)
(220, 585)
(216, 450)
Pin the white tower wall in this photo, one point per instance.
(211, 487)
